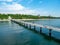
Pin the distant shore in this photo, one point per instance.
(4, 20)
(24, 19)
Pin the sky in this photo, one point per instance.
(34, 7)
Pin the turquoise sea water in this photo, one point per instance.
(14, 34)
(49, 22)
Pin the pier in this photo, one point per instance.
(29, 26)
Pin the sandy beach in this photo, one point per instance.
(4, 20)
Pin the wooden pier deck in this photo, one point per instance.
(39, 25)
(28, 24)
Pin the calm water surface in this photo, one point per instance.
(49, 22)
(13, 34)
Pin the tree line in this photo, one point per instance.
(25, 16)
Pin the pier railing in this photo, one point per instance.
(26, 24)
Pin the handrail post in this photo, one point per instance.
(50, 32)
(30, 26)
(40, 29)
(34, 27)
(26, 25)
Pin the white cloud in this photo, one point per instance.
(15, 8)
(12, 7)
(18, 8)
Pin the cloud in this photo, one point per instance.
(15, 8)
(11, 7)
(18, 8)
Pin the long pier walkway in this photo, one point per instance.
(28, 24)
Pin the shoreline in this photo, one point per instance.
(4, 20)
(32, 19)
(24, 19)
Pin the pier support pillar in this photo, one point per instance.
(30, 26)
(34, 27)
(26, 25)
(22, 24)
(50, 32)
(40, 29)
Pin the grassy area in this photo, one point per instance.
(22, 16)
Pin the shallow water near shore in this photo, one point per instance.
(14, 34)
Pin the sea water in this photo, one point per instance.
(14, 34)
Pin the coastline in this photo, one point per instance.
(24, 19)
(32, 19)
(4, 20)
